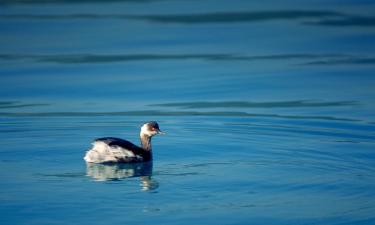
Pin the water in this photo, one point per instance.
(268, 109)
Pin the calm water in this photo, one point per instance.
(268, 109)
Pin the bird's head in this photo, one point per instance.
(150, 129)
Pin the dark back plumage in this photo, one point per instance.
(112, 141)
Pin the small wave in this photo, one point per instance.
(304, 59)
(172, 113)
(333, 132)
(17, 104)
(247, 104)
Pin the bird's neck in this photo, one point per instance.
(146, 142)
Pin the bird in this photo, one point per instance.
(117, 150)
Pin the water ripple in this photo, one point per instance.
(246, 104)
(31, 2)
(173, 113)
(305, 17)
(344, 134)
(16, 104)
(304, 59)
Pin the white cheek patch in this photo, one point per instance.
(146, 131)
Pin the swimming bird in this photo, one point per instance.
(116, 150)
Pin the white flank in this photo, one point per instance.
(101, 153)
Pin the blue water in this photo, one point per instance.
(268, 108)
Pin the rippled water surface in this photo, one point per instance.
(268, 109)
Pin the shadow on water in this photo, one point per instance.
(116, 172)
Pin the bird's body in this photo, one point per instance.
(116, 150)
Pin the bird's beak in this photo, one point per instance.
(161, 132)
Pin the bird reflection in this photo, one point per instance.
(113, 172)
